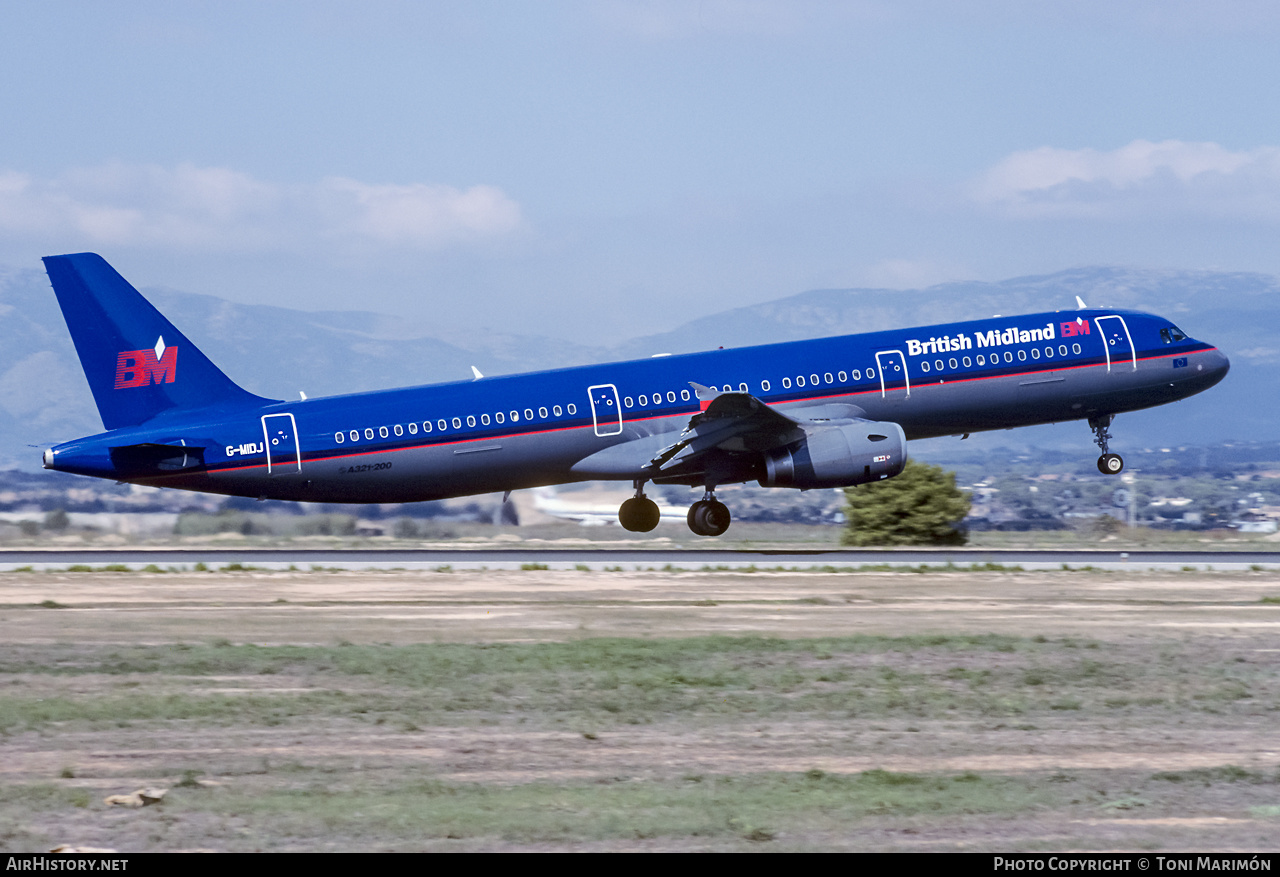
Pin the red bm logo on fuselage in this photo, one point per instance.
(142, 368)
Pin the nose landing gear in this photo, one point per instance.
(1108, 463)
(708, 516)
(639, 514)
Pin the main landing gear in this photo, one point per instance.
(639, 514)
(709, 516)
(1108, 463)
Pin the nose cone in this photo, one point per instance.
(1207, 368)
(1217, 365)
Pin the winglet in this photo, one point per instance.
(475, 371)
(706, 395)
(1080, 305)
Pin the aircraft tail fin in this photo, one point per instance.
(137, 363)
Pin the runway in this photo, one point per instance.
(636, 559)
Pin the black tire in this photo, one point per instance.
(649, 514)
(709, 517)
(695, 518)
(639, 514)
(1110, 464)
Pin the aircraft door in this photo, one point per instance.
(1117, 342)
(895, 383)
(606, 412)
(280, 437)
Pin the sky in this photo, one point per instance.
(599, 169)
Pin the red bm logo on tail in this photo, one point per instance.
(142, 368)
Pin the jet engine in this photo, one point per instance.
(837, 454)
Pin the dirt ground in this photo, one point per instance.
(1175, 748)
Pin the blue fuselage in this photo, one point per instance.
(519, 431)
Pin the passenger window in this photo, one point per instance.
(671, 395)
(967, 362)
(871, 373)
(843, 377)
(786, 383)
(799, 380)
(827, 378)
(764, 386)
(1008, 357)
(813, 379)
(573, 409)
(339, 437)
(742, 388)
(368, 434)
(484, 419)
(355, 435)
(557, 410)
(528, 414)
(684, 394)
(499, 417)
(952, 362)
(937, 363)
(857, 375)
(627, 402)
(982, 360)
(399, 430)
(382, 432)
(1048, 353)
(413, 429)
(426, 425)
(1022, 355)
(1035, 352)
(1075, 348)
(1062, 348)
(924, 365)
(542, 412)
(471, 420)
(457, 423)
(443, 424)
(515, 416)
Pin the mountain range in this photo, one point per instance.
(279, 352)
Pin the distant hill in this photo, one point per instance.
(277, 352)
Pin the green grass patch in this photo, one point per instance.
(757, 808)
(609, 682)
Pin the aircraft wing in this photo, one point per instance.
(729, 424)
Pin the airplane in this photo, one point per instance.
(821, 413)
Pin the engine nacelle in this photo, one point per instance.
(838, 455)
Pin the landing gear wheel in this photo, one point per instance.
(639, 514)
(1110, 464)
(709, 517)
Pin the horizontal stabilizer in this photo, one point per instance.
(148, 457)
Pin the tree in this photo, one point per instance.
(920, 506)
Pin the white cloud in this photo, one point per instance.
(218, 209)
(417, 215)
(1139, 179)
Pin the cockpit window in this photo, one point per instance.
(1172, 334)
